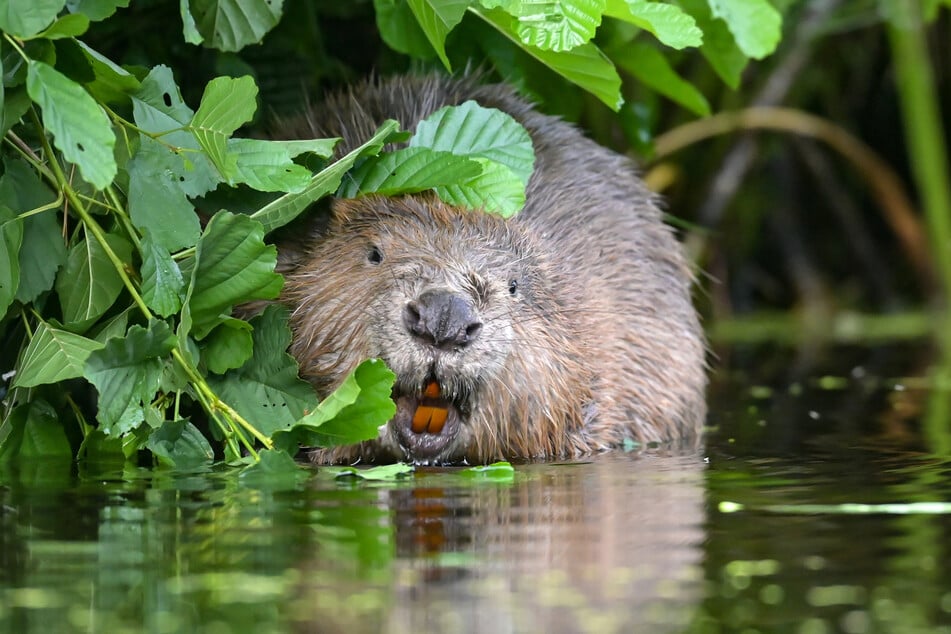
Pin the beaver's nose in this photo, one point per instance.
(442, 319)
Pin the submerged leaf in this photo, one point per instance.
(35, 431)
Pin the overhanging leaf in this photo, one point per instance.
(11, 236)
(230, 25)
(53, 355)
(719, 47)
(226, 105)
(554, 25)
(408, 170)
(80, 128)
(162, 282)
(667, 22)
(180, 445)
(651, 67)
(89, 284)
(755, 24)
(24, 18)
(267, 166)
(437, 18)
(96, 10)
(496, 190)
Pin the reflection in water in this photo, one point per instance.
(604, 546)
(608, 546)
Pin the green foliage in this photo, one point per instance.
(119, 277)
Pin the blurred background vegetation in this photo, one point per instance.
(806, 194)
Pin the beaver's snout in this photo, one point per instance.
(442, 319)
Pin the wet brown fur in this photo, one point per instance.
(600, 345)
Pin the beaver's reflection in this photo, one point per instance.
(613, 545)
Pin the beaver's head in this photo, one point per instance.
(465, 307)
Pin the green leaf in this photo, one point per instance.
(53, 355)
(755, 24)
(583, 65)
(11, 236)
(437, 18)
(112, 83)
(323, 148)
(162, 282)
(400, 28)
(495, 472)
(229, 346)
(158, 108)
(230, 25)
(267, 166)
(274, 470)
(474, 131)
(267, 390)
(96, 10)
(180, 445)
(232, 266)
(554, 25)
(381, 473)
(25, 18)
(289, 206)
(667, 22)
(407, 170)
(352, 413)
(35, 432)
(158, 202)
(89, 284)
(80, 128)
(719, 48)
(70, 25)
(16, 104)
(651, 67)
(127, 373)
(226, 105)
(496, 190)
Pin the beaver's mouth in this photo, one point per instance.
(427, 421)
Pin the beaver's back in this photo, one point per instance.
(626, 283)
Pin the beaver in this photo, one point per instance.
(565, 330)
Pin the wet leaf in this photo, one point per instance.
(275, 470)
(162, 283)
(35, 431)
(80, 128)
(230, 25)
(25, 18)
(227, 104)
(232, 266)
(126, 373)
(267, 390)
(179, 444)
(475, 131)
(88, 285)
(382, 473)
(495, 472)
(53, 355)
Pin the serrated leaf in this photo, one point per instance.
(229, 346)
(667, 22)
(158, 202)
(127, 373)
(96, 10)
(267, 166)
(437, 18)
(230, 25)
(226, 105)
(158, 108)
(400, 28)
(81, 130)
(583, 65)
(53, 355)
(755, 24)
(351, 414)
(289, 206)
(162, 283)
(408, 170)
(719, 48)
(474, 131)
(555, 25)
(25, 18)
(180, 445)
(267, 390)
(11, 236)
(89, 284)
(496, 190)
(323, 148)
(651, 68)
(232, 266)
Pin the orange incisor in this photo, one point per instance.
(427, 417)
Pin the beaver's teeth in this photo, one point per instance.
(421, 418)
(437, 420)
(432, 390)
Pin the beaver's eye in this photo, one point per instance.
(513, 287)
(374, 255)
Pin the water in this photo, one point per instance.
(748, 534)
